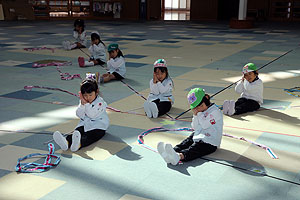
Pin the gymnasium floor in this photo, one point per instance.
(208, 55)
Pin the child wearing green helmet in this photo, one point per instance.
(208, 130)
(251, 90)
(160, 99)
(116, 68)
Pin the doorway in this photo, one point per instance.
(176, 9)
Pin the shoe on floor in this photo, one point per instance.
(225, 107)
(60, 140)
(147, 109)
(231, 108)
(172, 155)
(81, 61)
(162, 152)
(75, 141)
(154, 109)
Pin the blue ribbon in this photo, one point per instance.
(37, 167)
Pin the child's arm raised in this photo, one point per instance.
(82, 36)
(75, 34)
(207, 123)
(251, 87)
(80, 112)
(164, 89)
(116, 63)
(239, 88)
(153, 87)
(96, 110)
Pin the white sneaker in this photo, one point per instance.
(172, 155)
(64, 44)
(147, 109)
(153, 109)
(225, 107)
(231, 109)
(162, 152)
(88, 63)
(75, 141)
(60, 140)
(68, 45)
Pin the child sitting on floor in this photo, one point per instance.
(115, 65)
(160, 99)
(79, 34)
(97, 50)
(251, 90)
(207, 123)
(94, 120)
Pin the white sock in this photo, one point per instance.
(162, 152)
(75, 141)
(231, 108)
(60, 140)
(147, 109)
(89, 63)
(154, 109)
(173, 156)
(225, 107)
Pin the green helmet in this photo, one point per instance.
(195, 97)
(112, 47)
(250, 67)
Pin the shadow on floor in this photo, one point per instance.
(253, 169)
(271, 114)
(125, 153)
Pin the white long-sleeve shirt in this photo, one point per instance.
(117, 65)
(81, 38)
(161, 91)
(208, 126)
(98, 52)
(253, 90)
(93, 115)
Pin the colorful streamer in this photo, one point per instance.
(292, 91)
(63, 76)
(158, 129)
(37, 167)
(39, 48)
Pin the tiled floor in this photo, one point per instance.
(208, 55)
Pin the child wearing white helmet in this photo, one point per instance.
(251, 90)
(97, 50)
(207, 123)
(160, 99)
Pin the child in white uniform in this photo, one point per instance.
(94, 120)
(251, 90)
(160, 99)
(115, 65)
(79, 35)
(207, 123)
(97, 50)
